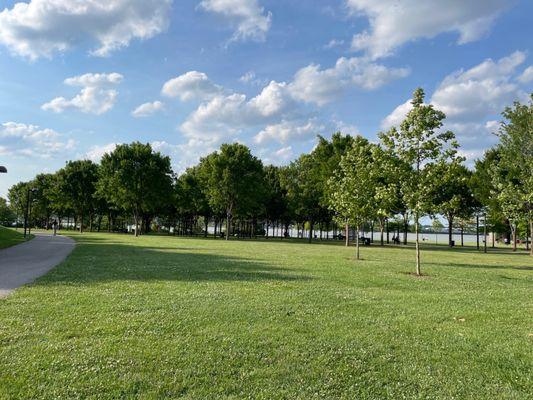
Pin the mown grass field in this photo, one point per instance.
(10, 237)
(164, 317)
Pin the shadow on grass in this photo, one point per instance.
(95, 260)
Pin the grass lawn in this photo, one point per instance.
(163, 317)
(10, 237)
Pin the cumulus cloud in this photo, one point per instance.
(40, 28)
(192, 85)
(147, 109)
(472, 100)
(248, 18)
(394, 23)
(479, 91)
(97, 95)
(287, 131)
(96, 152)
(527, 75)
(320, 86)
(32, 141)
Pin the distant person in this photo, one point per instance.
(54, 227)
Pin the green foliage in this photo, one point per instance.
(135, 179)
(7, 216)
(233, 180)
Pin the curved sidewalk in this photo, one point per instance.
(25, 262)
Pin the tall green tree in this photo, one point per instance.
(78, 185)
(452, 194)
(136, 179)
(515, 191)
(420, 143)
(234, 179)
(352, 187)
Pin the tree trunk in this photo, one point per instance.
(311, 225)
(485, 234)
(357, 242)
(405, 227)
(450, 230)
(531, 236)
(81, 221)
(382, 231)
(206, 222)
(513, 232)
(372, 232)
(347, 234)
(387, 223)
(417, 246)
(462, 236)
(477, 231)
(227, 225)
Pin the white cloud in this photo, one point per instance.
(394, 23)
(287, 131)
(247, 77)
(527, 75)
(473, 100)
(192, 85)
(40, 28)
(313, 85)
(334, 43)
(249, 19)
(147, 109)
(480, 91)
(96, 152)
(96, 96)
(396, 116)
(32, 141)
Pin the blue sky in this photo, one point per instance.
(270, 74)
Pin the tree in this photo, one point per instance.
(353, 186)
(420, 143)
(452, 193)
(136, 179)
(515, 191)
(234, 179)
(18, 195)
(7, 216)
(78, 184)
(275, 202)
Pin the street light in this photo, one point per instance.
(27, 215)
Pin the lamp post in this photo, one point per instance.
(27, 214)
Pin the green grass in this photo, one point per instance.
(159, 317)
(10, 237)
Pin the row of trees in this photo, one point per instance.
(346, 182)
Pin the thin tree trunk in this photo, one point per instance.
(531, 236)
(81, 221)
(382, 229)
(347, 234)
(450, 230)
(485, 234)
(462, 236)
(387, 222)
(514, 236)
(417, 245)
(227, 225)
(310, 231)
(477, 231)
(357, 242)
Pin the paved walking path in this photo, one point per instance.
(25, 262)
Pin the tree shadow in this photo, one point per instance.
(95, 260)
